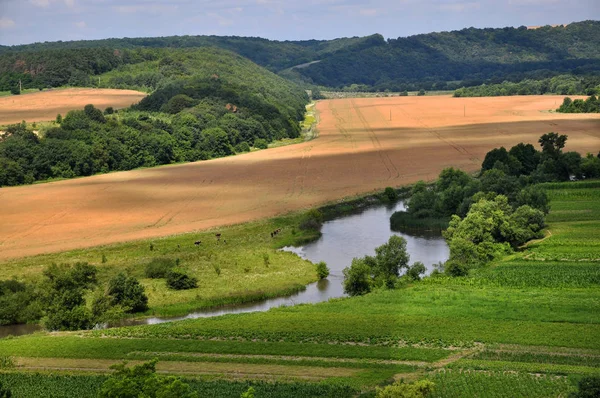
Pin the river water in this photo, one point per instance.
(344, 238)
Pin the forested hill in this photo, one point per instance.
(471, 55)
(444, 60)
(274, 55)
(204, 103)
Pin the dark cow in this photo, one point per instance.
(197, 243)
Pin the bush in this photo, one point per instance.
(312, 220)
(142, 381)
(4, 392)
(180, 281)
(391, 194)
(589, 387)
(242, 147)
(400, 389)
(127, 292)
(159, 267)
(260, 143)
(416, 270)
(456, 269)
(109, 111)
(322, 270)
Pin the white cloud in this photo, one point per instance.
(80, 24)
(7, 23)
(69, 3)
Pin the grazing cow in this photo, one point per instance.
(197, 243)
(218, 236)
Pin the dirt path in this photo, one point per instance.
(359, 149)
(255, 371)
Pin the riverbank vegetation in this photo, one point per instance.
(487, 331)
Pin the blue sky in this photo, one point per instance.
(27, 21)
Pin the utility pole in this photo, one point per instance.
(20, 86)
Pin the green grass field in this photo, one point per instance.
(247, 267)
(527, 326)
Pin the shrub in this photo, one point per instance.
(4, 392)
(421, 92)
(455, 269)
(400, 389)
(312, 220)
(180, 281)
(589, 387)
(142, 381)
(242, 147)
(416, 270)
(391, 194)
(127, 292)
(109, 111)
(159, 267)
(260, 143)
(322, 270)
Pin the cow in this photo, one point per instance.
(197, 243)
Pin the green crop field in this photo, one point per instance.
(527, 326)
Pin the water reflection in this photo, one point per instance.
(355, 235)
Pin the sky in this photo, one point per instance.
(28, 21)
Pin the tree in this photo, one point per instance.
(322, 270)
(391, 257)
(357, 278)
(127, 292)
(552, 144)
(260, 143)
(415, 271)
(142, 381)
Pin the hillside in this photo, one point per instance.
(205, 103)
(442, 60)
(471, 55)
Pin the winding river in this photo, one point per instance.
(344, 238)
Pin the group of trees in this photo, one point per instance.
(382, 270)
(503, 208)
(59, 298)
(88, 142)
(163, 267)
(590, 105)
(562, 84)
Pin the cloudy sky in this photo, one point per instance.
(27, 21)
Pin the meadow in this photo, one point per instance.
(521, 327)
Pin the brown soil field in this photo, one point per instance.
(359, 149)
(45, 105)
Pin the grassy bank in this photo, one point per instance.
(522, 327)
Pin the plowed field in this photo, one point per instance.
(45, 105)
(359, 149)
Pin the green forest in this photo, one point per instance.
(433, 61)
(205, 103)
